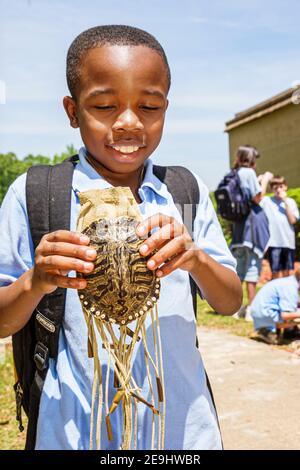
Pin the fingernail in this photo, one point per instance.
(87, 266)
(84, 238)
(151, 264)
(90, 253)
(141, 229)
(143, 248)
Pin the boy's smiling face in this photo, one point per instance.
(120, 105)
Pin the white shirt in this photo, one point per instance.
(282, 233)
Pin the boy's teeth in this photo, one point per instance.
(126, 149)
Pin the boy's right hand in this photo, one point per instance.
(57, 254)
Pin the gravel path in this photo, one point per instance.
(256, 389)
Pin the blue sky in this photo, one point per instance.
(224, 56)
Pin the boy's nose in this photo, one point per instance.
(128, 120)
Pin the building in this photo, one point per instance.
(272, 126)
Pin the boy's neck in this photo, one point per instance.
(132, 180)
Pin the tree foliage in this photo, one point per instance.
(11, 166)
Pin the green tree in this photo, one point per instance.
(11, 166)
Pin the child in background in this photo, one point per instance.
(282, 213)
(276, 302)
(248, 256)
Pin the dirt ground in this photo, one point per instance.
(256, 389)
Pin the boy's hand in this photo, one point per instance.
(175, 248)
(57, 254)
(267, 176)
(260, 178)
(282, 194)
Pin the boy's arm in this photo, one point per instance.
(286, 316)
(57, 254)
(292, 218)
(219, 285)
(17, 302)
(264, 181)
(289, 212)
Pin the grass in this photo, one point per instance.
(210, 319)
(10, 437)
(207, 317)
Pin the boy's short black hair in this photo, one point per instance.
(98, 36)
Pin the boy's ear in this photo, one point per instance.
(70, 108)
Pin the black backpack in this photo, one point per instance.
(232, 202)
(48, 199)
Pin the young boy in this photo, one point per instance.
(119, 80)
(282, 213)
(277, 301)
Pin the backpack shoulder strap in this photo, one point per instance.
(184, 189)
(48, 199)
(48, 189)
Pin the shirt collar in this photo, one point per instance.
(149, 181)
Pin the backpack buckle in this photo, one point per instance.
(41, 356)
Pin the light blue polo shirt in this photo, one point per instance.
(64, 416)
(279, 295)
(282, 233)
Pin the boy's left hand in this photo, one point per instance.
(172, 245)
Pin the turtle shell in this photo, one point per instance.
(121, 288)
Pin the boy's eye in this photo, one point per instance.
(150, 108)
(104, 107)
